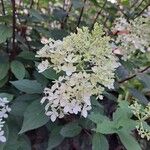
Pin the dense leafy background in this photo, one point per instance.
(110, 125)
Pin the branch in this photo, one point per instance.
(134, 75)
(142, 10)
(14, 26)
(3, 8)
(81, 13)
(97, 15)
(67, 16)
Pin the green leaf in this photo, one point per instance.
(4, 67)
(18, 69)
(28, 55)
(99, 142)
(9, 96)
(41, 79)
(50, 74)
(122, 112)
(97, 117)
(55, 138)
(34, 117)
(128, 141)
(5, 33)
(145, 79)
(3, 81)
(15, 141)
(106, 127)
(21, 103)
(70, 130)
(36, 14)
(139, 95)
(28, 86)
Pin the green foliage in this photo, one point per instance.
(18, 69)
(5, 33)
(70, 130)
(99, 142)
(28, 86)
(37, 117)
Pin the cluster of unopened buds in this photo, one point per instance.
(142, 115)
(4, 110)
(88, 65)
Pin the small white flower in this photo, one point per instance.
(43, 66)
(2, 137)
(71, 58)
(113, 1)
(69, 69)
(4, 109)
(84, 110)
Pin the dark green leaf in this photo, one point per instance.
(55, 138)
(5, 33)
(18, 69)
(28, 86)
(4, 67)
(34, 117)
(70, 130)
(139, 95)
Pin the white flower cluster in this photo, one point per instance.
(88, 63)
(142, 114)
(133, 35)
(4, 109)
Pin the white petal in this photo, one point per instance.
(2, 139)
(53, 117)
(66, 109)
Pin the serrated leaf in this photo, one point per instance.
(28, 86)
(128, 141)
(34, 117)
(99, 142)
(70, 130)
(18, 69)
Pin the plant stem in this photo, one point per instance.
(80, 16)
(3, 8)
(97, 15)
(14, 28)
(134, 75)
